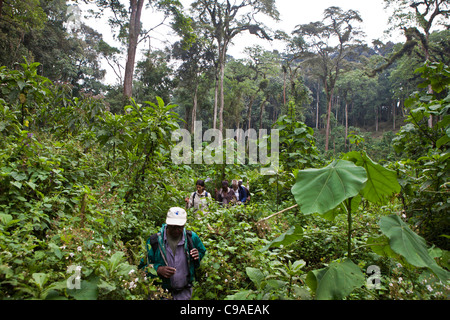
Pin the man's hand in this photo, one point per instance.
(166, 272)
(194, 254)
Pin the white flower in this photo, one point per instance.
(79, 248)
(71, 254)
(131, 271)
(78, 268)
(63, 247)
(400, 280)
(429, 288)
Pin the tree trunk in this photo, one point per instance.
(221, 79)
(429, 88)
(134, 30)
(284, 87)
(327, 133)
(376, 118)
(394, 111)
(249, 114)
(337, 108)
(317, 106)
(261, 113)
(216, 95)
(186, 118)
(346, 125)
(194, 109)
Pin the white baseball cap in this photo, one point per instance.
(176, 216)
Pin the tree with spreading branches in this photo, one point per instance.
(224, 20)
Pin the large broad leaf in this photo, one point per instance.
(411, 246)
(320, 190)
(256, 275)
(342, 209)
(381, 182)
(380, 245)
(336, 281)
(88, 290)
(293, 234)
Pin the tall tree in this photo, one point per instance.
(265, 65)
(416, 18)
(419, 16)
(133, 37)
(331, 41)
(225, 20)
(128, 19)
(156, 77)
(197, 61)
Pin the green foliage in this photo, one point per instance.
(82, 188)
(425, 173)
(25, 90)
(335, 187)
(381, 182)
(18, 18)
(296, 141)
(280, 283)
(321, 190)
(336, 281)
(58, 199)
(409, 245)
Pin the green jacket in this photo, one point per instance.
(157, 257)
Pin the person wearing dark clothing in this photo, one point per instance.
(246, 191)
(225, 195)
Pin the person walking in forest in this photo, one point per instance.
(239, 192)
(175, 254)
(225, 195)
(246, 191)
(198, 199)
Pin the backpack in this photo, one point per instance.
(155, 244)
(195, 193)
(154, 240)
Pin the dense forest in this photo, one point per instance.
(356, 208)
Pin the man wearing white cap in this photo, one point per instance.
(175, 253)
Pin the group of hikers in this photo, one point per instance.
(175, 252)
(236, 194)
